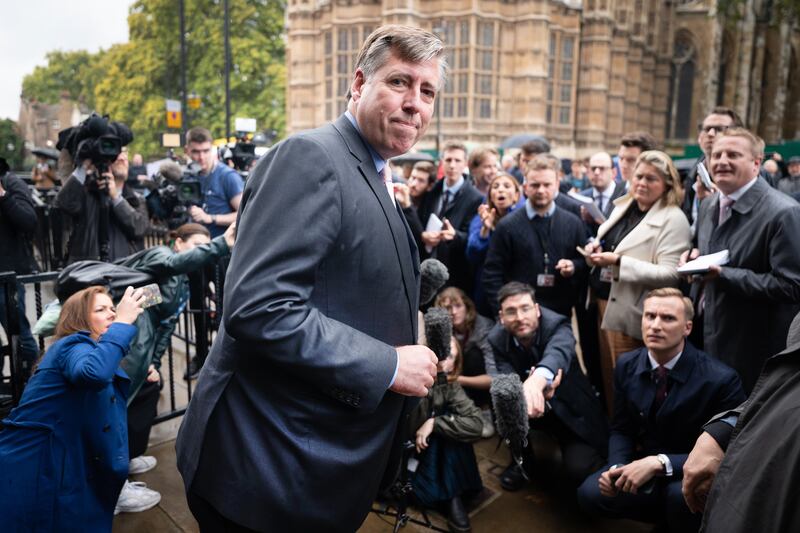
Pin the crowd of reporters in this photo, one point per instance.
(536, 249)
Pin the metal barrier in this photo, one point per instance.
(12, 382)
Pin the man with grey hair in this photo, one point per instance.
(298, 407)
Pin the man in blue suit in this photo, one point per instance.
(663, 394)
(298, 406)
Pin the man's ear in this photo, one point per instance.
(688, 328)
(357, 84)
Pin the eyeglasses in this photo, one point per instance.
(511, 312)
(598, 168)
(716, 127)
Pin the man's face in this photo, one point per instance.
(418, 183)
(203, 154)
(664, 324)
(541, 187)
(794, 169)
(520, 316)
(712, 126)
(119, 168)
(393, 108)
(487, 169)
(627, 159)
(455, 161)
(600, 173)
(524, 159)
(733, 164)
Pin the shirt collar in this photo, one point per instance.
(532, 212)
(377, 160)
(740, 191)
(669, 365)
(455, 188)
(606, 193)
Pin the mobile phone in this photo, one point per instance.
(152, 295)
(705, 177)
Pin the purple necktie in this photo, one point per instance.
(660, 373)
(725, 205)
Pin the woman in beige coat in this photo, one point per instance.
(637, 250)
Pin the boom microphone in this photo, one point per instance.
(433, 275)
(511, 413)
(171, 171)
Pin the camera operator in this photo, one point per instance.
(109, 219)
(221, 185)
(17, 225)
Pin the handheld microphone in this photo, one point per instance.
(511, 413)
(438, 331)
(433, 275)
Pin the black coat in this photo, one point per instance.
(17, 226)
(516, 254)
(460, 211)
(619, 190)
(575, 403)
(567, 203)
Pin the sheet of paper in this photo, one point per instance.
(590, 206)
(703, 263)
(434, 224)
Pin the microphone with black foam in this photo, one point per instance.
(432, 277)
(438, 331)
(511, 414)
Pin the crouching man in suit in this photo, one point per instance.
(298, 406)
(663, 394)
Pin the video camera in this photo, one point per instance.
(98, 140)
(176, 190)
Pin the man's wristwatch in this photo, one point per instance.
(666, 464)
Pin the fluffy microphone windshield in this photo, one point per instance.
(171, 171)
(433, 275)
(438, 330)
(510, 411)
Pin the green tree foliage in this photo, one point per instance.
(131, 81)
(11, 144)
(73, 73)
(142, 73)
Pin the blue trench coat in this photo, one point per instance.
(64, 449)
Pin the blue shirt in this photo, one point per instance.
(219, 188)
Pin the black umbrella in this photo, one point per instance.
(48, 153)
(412, 157)
(516, 141)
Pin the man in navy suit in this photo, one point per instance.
(663, 394)
(298, 406)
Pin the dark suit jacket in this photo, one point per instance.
(699, 387)
(516, 254)
(748, 309)
(565, 202)
(574, 403)
(291, 425)
(460, 211)
(619, 190)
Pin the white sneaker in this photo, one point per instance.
(488, 426)
(136, 497)
(142, 464)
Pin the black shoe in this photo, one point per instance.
(512, 478)
(457, 517)
(192, 371)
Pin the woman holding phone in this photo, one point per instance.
(63, 449)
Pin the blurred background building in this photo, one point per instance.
(581, 73)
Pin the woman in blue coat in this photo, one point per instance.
(64, 448)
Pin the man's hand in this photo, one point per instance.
(416, 370)
(432, 238)
(402, 195)
(198, 215)
(565, 267)
(607, 480)
(230, 235)
(533, 388)
(688, 255)
(633, 475)
(700, 190)
(700, 470)
(550, 390)
(423, 433)
(111, 184)
(448, 231)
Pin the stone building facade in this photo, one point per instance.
(579, 72)
(39, 123)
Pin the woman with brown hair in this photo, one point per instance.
(637, 249)
(63, 449)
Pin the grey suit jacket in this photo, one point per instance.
(291, 425)
(748, 309)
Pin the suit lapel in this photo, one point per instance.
(401, 234)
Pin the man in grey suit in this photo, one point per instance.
(748, 304)
(299, 403)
